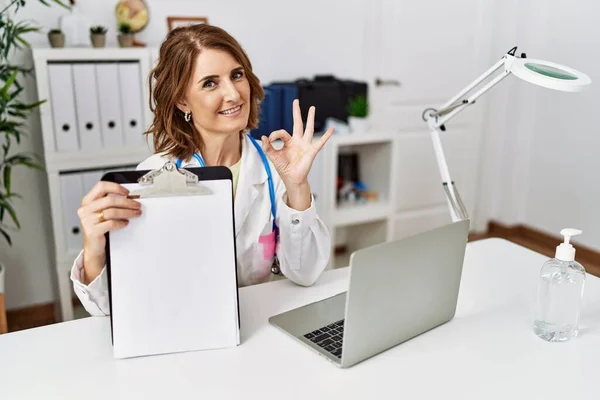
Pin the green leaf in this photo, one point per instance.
(9, 126)
(15, 94)
(23, 106)
(8, 84)
(23, 159)
(11, 211)
(16, 159)
(22, 27)
(6, 236)
(6, 70)
(23, 42)
(19, 114)
(7, 175)
(11, 132)
(16, 196)
(61, 3)
(34, 165)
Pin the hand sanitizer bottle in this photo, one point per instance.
(560, 292)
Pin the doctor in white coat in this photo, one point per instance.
(205, 98)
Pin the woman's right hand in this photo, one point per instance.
(100, 213)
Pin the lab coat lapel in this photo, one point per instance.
(252, 175)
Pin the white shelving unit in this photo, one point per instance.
(357, 225)
(92, 122)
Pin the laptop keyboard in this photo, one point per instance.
(329, 337)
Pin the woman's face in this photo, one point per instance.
(218, 95)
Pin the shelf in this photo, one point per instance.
(356, 237)
(352, 214)
(90, 53)
(74, 161)
(362, 138)
(369, 163)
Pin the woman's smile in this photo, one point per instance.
(232, 112)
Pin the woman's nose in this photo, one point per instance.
(230, 92)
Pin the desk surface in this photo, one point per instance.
(487, 351)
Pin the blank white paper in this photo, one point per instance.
(173, 275)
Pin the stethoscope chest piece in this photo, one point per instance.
(275, 267)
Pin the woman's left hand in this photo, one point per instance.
(294, 160)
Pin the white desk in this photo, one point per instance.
(487, 352)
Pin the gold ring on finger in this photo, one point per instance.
(101, 217)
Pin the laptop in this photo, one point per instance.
(397, 290)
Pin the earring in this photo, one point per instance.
(187, 116)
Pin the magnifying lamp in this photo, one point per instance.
(541, 73)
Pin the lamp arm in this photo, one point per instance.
(471, 100)
(476, 82)
(456, 105)
(436, 120)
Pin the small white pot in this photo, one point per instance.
(2, 274)
(358, 125)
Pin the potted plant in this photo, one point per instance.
(125, 35)
(13, 115)
(358, 111)
(56, 38)
(98, 36)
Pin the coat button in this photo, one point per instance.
(295, 221)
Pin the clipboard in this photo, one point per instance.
(172, 272)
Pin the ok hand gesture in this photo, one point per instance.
(294, 160)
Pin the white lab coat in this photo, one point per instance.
(304, 240)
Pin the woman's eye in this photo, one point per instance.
(209, 84)
(237, 75)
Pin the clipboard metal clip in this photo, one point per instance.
(170, 181)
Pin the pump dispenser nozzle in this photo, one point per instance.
(565, 251)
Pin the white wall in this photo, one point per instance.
(284, 41)
(542, 167)
(565, 153)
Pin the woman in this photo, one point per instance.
(205, 98)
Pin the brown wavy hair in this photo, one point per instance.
(169, 79)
